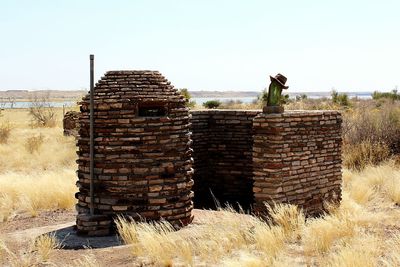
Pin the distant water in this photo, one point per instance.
(201, 100)
(361, 95)
(28, 104)
(246, 99)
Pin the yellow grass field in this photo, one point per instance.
(37, 172)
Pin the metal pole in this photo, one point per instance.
(91, 135)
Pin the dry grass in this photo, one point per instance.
(45, 245)
(366, 153)
(352, 234)
(36, 172)
(5, 131)
(47, 190)
(158, 243)
(85, 261)
(37, 252)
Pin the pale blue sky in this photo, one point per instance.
(203, 44)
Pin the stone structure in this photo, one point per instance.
(143, 156)
(143, 159)
(249, 158)
(297, 159)
(71, 123)
(222, 144)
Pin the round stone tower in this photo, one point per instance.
(142, 155)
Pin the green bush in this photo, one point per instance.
(189, 103)
(388, 95)
(341, 99)
(212, 104)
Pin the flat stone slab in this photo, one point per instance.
(69, 239)
(66, 235)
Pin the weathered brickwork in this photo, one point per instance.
(143, 159)
(297, 159)
(71, 123)
(222, 144)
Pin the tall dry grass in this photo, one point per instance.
(352, 234)
(37, 252)
(158, 243)
(37, 167)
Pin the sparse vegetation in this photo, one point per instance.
(5, 130)
(361, 155)
(341, 99)
(212, 104)
(42, 113)
(393, 95)
(34, 143)
(45, 245)
(189, 103)
(38, 172)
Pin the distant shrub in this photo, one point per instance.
(359, 156)
(388, 95)
(263, 97)
(312, 104)
(42, 113)
(212, 104)
(34, 143)
(301, 97)
(341, 99)
(189, 103)
(5, 130)
(375, 125)
(231, 104)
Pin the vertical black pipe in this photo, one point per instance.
(91, 135)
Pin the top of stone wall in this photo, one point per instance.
(226, 111)
(288, 113)
(302, 113)
(137, 85)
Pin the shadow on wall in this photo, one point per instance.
(222, 144)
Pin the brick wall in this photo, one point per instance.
(142, 161)
(297, 159)
(222, 144)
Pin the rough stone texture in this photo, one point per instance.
(222, 144)
(71, 123)
(143, 160)
(297, 159)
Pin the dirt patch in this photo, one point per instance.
(44, 218)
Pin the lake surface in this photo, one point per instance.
(201, 100)
(28, 104)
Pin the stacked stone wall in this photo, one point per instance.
(143, 164)
(297, 159)
(71, 123)
(222, 144)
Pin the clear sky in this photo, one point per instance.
(203, 45)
